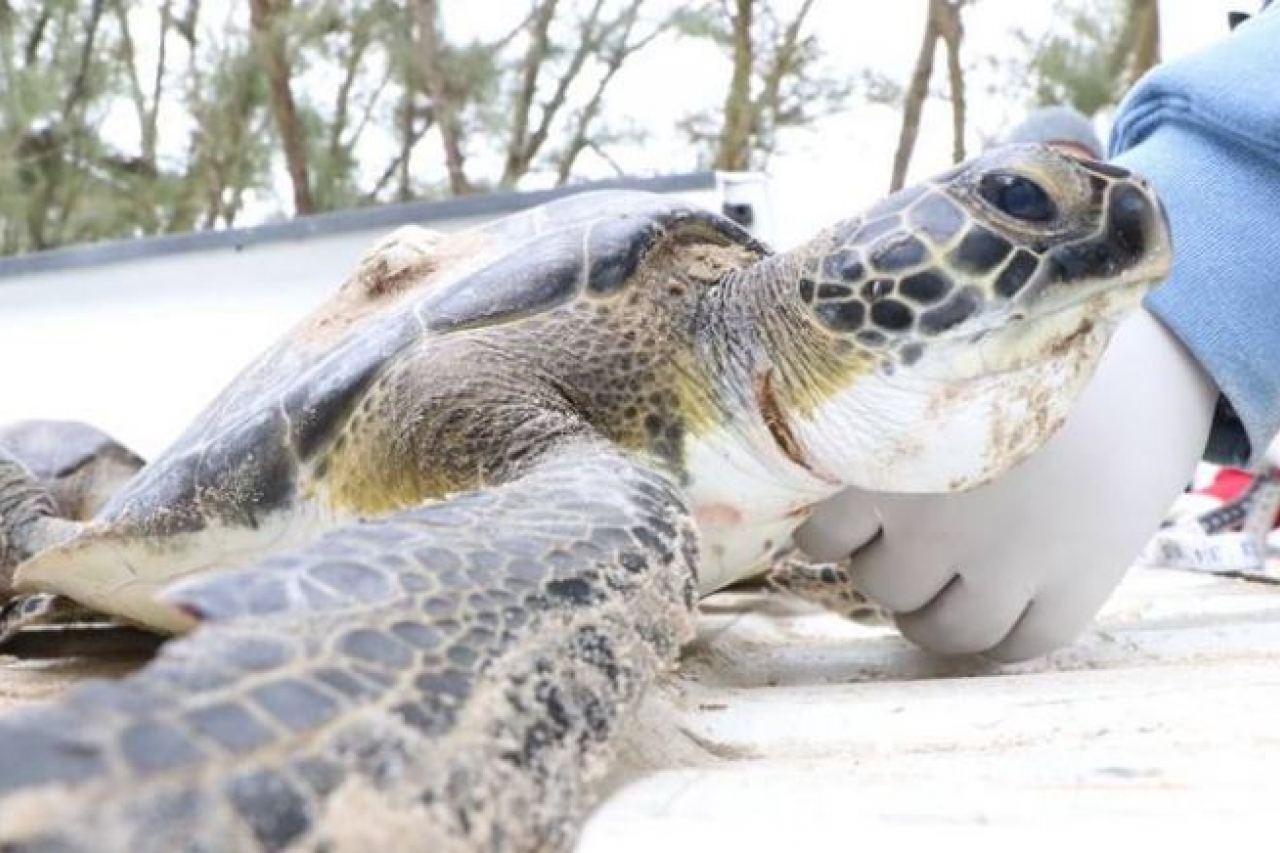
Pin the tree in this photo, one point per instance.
(268, 18)
(1093, 53)
(614, 44)
(348, 74)
(603, 36)
(229, 152)
(446, 102)
(943, 23)
(146, 101)
(121, 118)
(519, 92)
(777, 79)
(1143, 21)
(734, 148)
(59, 181)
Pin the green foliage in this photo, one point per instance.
(476, 74)
(705, 21)
(53, 73)
(1084, 58)
(876, 87)
(124, 118)
(1074, 64)
(791, 84)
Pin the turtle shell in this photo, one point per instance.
(586, 245)
(239, 461)
(240, 482)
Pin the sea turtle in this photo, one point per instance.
(80, 465)
(456, 521)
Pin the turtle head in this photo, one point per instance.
(968, 312)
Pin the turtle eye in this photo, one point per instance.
(1021, 198)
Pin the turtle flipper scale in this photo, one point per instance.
(828, 585)
(456, 670)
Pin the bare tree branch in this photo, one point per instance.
(589, 39)
(150, 130)
(580, 139)
(399, 165)
(408, 140)
(186, 25)
(784, 63)
(366, 115)
(36, 36)
(531, 68)
(359, 43)
(605, 156)
(131, 66)
(510, 36)
(80, 83)
(592, 38)
(185, 208)
(146, 198)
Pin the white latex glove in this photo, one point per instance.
(1020, 566)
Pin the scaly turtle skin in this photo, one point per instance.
(828, 585)
(451, 527)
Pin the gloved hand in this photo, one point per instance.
(1018, 567)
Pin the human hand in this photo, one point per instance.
(1018, 567)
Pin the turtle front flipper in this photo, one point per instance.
(452, 674)
(828, 585)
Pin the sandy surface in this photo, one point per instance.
(786, 726)
(798, 731)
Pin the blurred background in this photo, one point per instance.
(129, 119)
(125, 118)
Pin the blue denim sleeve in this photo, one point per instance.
(1205, 130)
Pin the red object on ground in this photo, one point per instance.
(1228, 484)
